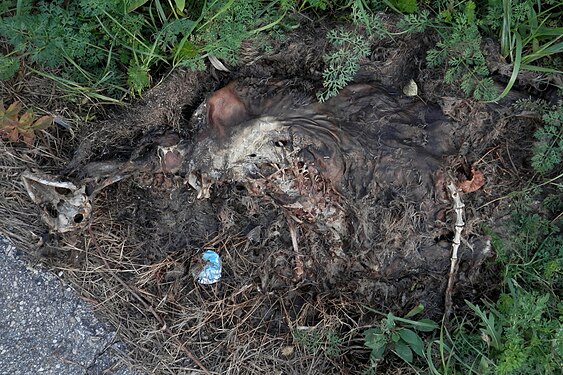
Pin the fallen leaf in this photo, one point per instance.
(477, 181)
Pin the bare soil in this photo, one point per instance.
(321, 212)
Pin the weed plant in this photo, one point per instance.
(114, 47)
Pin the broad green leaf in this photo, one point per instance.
(376, 341)
(390, 321)
(415, 310)
(180, 5)
(425, 325)
(395, 337)
(373, 331)
(403, 351)
(373, 339)
(378, 353)
(414, 341)
(131, 5)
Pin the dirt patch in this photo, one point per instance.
(318, 210)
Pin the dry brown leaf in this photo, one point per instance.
(477, 181)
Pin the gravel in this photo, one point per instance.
(45, 328)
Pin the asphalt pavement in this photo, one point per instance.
(46, 328)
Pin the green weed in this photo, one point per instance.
(522, 331)
(315, 340)
(8, 67)
(343, 62)
(548, 147)
(461, 54)
(399, 336)
(115, 47)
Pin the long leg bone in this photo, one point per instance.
(458, 207)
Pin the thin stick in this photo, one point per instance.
(459, 224)
(298, 260)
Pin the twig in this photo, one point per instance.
(459, 224)
(152, 311)
(298, 260)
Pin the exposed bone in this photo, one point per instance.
(64, 206)
(458, 207)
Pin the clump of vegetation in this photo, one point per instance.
(522, 331)
(343, 62)
(114, 46)
(14, 127)
(460, 52)
(8, 67)
(112, 49)
(398, 335)
(528, 31)
(548, 147)
(314, 340)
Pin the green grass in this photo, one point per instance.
(115, 48)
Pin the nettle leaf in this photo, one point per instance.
(413, 340)
(403, 351)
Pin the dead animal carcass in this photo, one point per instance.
(359, 181)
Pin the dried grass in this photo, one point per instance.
(157, 308)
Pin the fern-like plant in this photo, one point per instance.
(548, 148)
(460, 52)
(343, 62)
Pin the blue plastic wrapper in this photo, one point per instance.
(211, 272)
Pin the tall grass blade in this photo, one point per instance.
(515, 68)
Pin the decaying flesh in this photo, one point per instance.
(326, 166)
